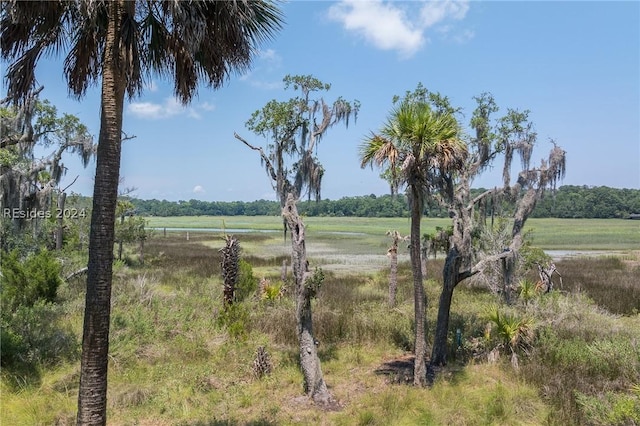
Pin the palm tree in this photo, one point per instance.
(422, 141)
(122, 43)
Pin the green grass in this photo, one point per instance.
(173, 362)
(558, 234)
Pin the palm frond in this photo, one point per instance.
(377, 150)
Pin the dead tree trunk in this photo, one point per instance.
(393, 272)
(545, 272)
(508, 270)
(306, 285)
(62, 196)
(393, 275)
(230, 253)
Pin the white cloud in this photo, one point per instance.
(464, 36)
(198, 189)
(207, 106)
(434, 12)
(267, 62)
(270, 56)
(266, 85)
(384, 25)
(389, 26)
(169, 108)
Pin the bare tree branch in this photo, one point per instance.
(126, 137)
(265, 158)
(74, 181)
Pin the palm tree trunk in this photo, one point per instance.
(314, 384)
(92, 395)
(420, 368)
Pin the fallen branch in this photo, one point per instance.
(76, 273)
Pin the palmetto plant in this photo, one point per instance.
(512, 331)
(119, 44)
(527, 290)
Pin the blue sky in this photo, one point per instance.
(575, 65)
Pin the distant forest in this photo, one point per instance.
(568, 202)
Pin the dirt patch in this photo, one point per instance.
(398, 370)
(306, 403)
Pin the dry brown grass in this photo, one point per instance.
(612, 282)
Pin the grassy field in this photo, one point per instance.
(177, 359)
(552, 234)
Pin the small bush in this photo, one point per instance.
(235, 318)
(511, 330)
(26, 281)
(611, 409)
(577, 373)
(271, 291)
(247, 282)
(31, 336)
(527, 290)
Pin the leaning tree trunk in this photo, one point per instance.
(305, 287)
(92, 394)
(450, 280)
(420, 367)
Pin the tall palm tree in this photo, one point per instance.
(422, 141)
(119, 44)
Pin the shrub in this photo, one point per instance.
(271, 291)
(510, 329)
(235, 318)
(611, 409)
(23, 282)
(247, 282)
(31, 336)
(527, 290)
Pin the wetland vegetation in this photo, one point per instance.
(178, 358)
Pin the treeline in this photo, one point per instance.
(569, 201)
(597, 202)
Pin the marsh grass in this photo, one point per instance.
(612, 282)
(172, 361)
(582, 353)
(566, 234)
